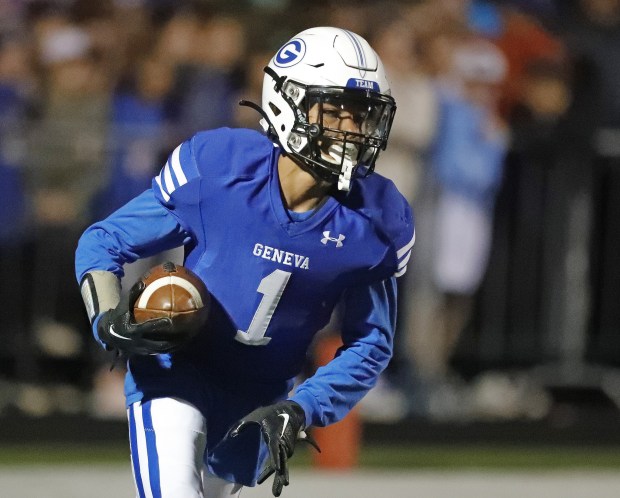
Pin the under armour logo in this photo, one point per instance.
(326, 238)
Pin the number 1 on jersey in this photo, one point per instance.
(271, 287)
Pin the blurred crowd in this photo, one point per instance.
(506, 142)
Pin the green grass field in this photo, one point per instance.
(474, 471)
(381, 457)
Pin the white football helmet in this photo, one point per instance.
(326, 69)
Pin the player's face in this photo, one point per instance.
(337, 117)
(345, 129)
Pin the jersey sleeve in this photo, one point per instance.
(404, 241)
(197, 167)
(392, 219)
(166, 216)
(369, 319)
(399, 228)
(154, 221)
(180, 169)
(141, 228)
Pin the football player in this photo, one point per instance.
(281, 227)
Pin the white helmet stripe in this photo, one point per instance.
(361, 56)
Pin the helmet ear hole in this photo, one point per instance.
(275, 109)
(283, 128)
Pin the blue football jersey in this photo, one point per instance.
(275, 277)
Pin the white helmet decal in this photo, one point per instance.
(290, 54)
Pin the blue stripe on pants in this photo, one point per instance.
(151, 450)
(134, 451)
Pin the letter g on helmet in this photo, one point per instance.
(290, 54)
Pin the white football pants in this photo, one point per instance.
(168, 437)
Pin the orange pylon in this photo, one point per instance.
(340, 442)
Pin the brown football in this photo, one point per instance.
(172, 291)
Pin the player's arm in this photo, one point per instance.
(157, 220)
(281, 425)
(367, 329)
(139, 229)
(368, 324)
(326, 397)
(369, 320)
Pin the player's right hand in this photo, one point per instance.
(282, 426)
(117, 328)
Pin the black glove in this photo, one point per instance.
(281, 426)
(118, 329)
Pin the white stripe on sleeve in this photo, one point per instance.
(175, 162)
(404, 261)
(161, 188)
(168, 178)
(403, 250)
(401, 272)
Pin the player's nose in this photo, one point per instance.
(347, 123)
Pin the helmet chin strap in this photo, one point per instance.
(344, 178)
(343, 156)
(272, 134)
(279, 80)
(271, 131)
(336, 152)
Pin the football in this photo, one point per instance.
(175, 292)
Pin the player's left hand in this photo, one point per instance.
(281, 426)
(118, 329)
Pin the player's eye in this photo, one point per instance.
(360, 117)
(331, 115)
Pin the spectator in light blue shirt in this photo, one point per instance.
(466, 162)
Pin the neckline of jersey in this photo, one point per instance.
(280, 211)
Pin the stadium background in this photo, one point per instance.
(533, 386)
